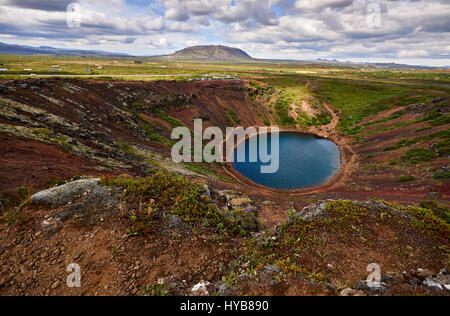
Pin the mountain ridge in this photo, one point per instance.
(13, 49)
(208, 53)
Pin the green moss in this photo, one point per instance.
(387, 119)
(228, 119)
(153, 134)
(53, 182)
(129, 150)
(408, 142)
(234, 116)
(444, 147)
(169, 119)
(406, 178)
(443, 120)
(441, 175)
(418, 155)
(137, 106)
(393, 162)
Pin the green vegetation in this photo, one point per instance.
(53, 182)
(409, 142)
(407, 178)
(299, 246)
(228, 119)
(393, 162)
(426, 221)
(442, 120)
(136, 106)
(427, 118)
(4, 203)
(322, 119)
(23, 193)
(387, 119)
(152, 133)
(9, 213)
(418, 155)
(441, 175)
(360, 100)
(439, 210)
(169, 119)
(444, 147)
(206, 171)
(282, 108)
(169, 193)
(422, 129)
(160, 289)
(129, 150)
(12, 218)
(234, 116)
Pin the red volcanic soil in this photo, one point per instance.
(105, 114)
(97, 107)
(115, 262)
(31, 164)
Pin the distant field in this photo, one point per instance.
(19, 66)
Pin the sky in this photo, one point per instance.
(415, 32)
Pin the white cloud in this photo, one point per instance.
(408, 30)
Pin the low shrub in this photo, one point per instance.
(406, 178)
(129, 150)
(438, 209)
(444, 147)
(418, 155)
(169, 193)
(441, 175)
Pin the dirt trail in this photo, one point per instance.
(382, 115)
(336, 118)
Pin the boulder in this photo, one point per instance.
(84, 199)
(312, 211)
(62, 195)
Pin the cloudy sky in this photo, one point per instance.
(403, 31)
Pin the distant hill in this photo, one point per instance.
(209, 53)
(8, 49)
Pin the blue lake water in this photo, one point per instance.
(305, 161)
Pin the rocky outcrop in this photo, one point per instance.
(420, 278)
(84, 199)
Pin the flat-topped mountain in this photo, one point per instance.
(209, 53)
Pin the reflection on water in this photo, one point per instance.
(305, 161)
